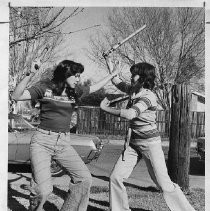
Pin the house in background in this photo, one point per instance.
(198, 102)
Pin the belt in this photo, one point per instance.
(49, 132)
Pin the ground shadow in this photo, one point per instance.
(101, 177)
(13, 194)
(91, 208)
(58, 192)
(139, 209)
(147, 189)
(105, 203)
(102, 203)
(14, 204)
(63, 194)
(50, 206)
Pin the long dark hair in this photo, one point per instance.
(64, 70)
(146, 74)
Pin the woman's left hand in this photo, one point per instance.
(104, 103)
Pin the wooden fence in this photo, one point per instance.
(92, 120)
(197, 124)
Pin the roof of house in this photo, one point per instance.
(200, 97)
(198, 94)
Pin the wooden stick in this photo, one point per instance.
(105, 54)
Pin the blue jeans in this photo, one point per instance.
(44, 146)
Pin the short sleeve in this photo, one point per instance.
(37, 91)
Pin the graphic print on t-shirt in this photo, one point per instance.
(63, 98)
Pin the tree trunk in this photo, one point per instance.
(179, 147)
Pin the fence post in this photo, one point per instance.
(179, 147)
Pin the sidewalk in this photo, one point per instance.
(164, 143)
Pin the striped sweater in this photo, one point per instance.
(143, 123)
(141, 114)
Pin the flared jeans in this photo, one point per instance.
(47, 145)
(153, 155)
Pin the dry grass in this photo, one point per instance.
(144, 199)
(140, 198)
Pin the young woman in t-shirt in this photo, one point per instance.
(57, 99)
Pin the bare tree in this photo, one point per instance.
(173, 42)
(32, 23)
(32, 31)
(38, 32)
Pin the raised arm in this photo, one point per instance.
(98, 85)
(121, 85)
(20, 93)
(102, 83)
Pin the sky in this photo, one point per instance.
(79, 41)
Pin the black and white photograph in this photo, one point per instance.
(103, 106)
